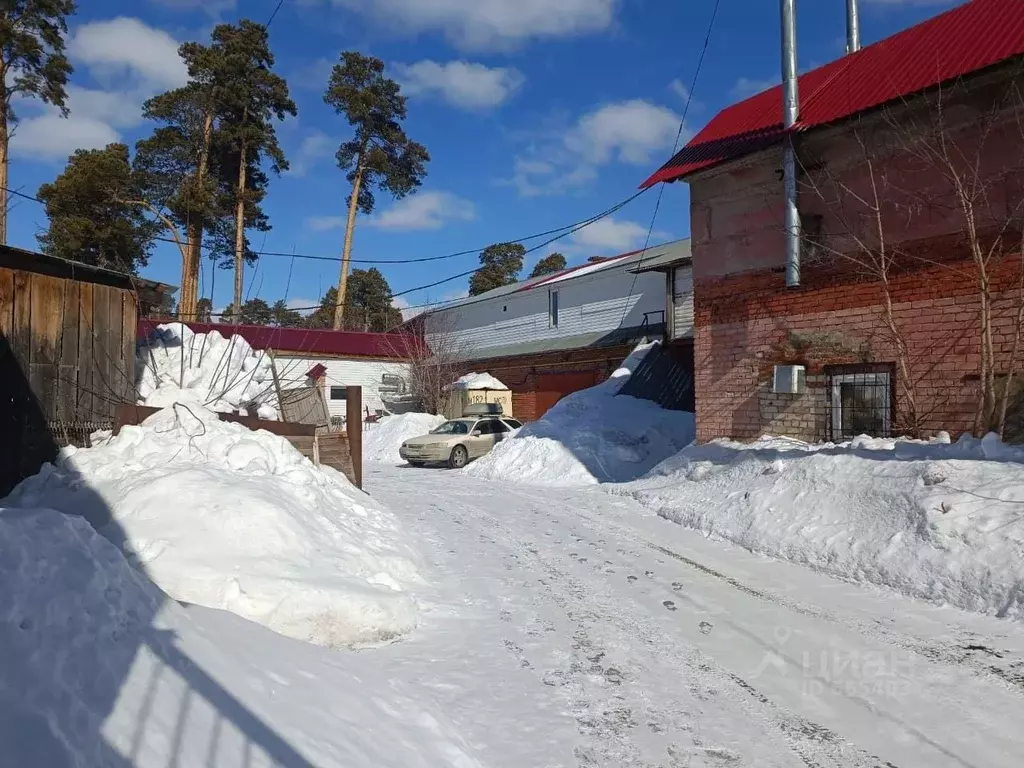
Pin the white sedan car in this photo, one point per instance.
(458, 441)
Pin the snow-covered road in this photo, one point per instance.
(572, 627)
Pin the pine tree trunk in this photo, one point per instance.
(240, 234)
(194, 232)
(346, 255)
(4, 142)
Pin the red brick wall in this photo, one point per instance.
(749, 322)
(520, 373)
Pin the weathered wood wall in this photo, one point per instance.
(67, 360)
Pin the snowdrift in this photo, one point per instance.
(102, 670)
(939, 521)
(382, 440)
(176, 365)
(478, 381)
(228, 518)
(592, 436)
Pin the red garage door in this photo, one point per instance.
(552, 387)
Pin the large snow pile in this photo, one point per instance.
(478, 381)
(102, 670)
(382, 440)
(176, 365)
(222, 516)
(940, 521)
(591, 436)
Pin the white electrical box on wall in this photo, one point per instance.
(788, 379)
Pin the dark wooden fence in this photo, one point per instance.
(67, 357)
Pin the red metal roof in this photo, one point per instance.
(971, 37)
(308, 341)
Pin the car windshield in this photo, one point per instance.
(452, 428)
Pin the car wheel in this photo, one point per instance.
(417, 463)
(459, 457)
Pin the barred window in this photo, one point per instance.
(860, 400)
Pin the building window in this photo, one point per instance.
(859, 400)
(553, 308)
(339, 393)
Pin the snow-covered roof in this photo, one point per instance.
(478, 381)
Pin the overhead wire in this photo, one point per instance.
(469, 251)
(675, 147)
(557, 233)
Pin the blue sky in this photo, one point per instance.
(537, 113)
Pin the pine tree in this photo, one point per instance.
(32, 65)
(379, 155)
(252, 99)
(499, 265)
(283, 317)
(92, 218)
(554, 262)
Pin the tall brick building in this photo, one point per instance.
(904, 149)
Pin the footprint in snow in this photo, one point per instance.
(648, 574)
(669, 604)
(631, 579)
(705, 627)
(677, 586)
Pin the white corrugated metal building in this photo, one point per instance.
(552, 335)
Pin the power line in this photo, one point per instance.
(675, 146)
(470, 251)
(580, 225)
(274, 14)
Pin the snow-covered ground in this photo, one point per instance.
(101, 670)
(557, 627)
(228, 518)
(592, 436)
(932, 520)
(382, 440)
(669, 649)
(175, 365)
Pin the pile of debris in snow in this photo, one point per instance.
(382, 440)
(591, 436)
(175, 365)
(934, 520)
(229, 518)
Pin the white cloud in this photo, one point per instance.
(132, 62)
(126, 46)
(51, 137)
(303, 305)
(212, 7)
(462, 84)
(746, 87)
(631, 132)
(314, 75)
(479, 24)
(408, 312)
(315, 149)
(424, 210)
(610, 236)
(325, 223)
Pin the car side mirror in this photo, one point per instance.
(476, 433)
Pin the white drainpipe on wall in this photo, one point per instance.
(790, 112)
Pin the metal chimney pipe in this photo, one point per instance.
(852, 27)
(790, 113)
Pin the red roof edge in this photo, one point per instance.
(971, 37)
(308, 341)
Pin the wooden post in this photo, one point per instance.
(354, 430)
